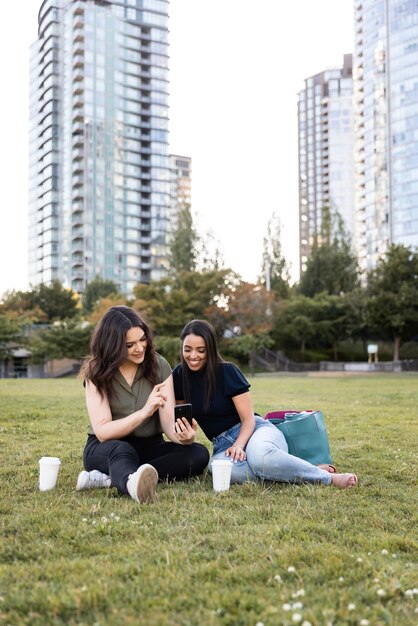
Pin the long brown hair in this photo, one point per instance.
(108, 349)
(203, 329)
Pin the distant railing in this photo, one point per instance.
(271, 361)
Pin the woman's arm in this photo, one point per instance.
(101, 416)
(244, 407)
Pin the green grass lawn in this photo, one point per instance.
(271, 554)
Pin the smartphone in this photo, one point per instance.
(183, 410)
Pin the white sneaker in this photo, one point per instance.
(92, 480)
(142, 484)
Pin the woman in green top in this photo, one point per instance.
(130, 402)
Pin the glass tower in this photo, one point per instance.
(385, 72)
(99, 179)
(326, 147)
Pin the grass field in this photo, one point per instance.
(270, 554)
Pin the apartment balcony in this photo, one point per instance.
(78, 22)
(145, 240)
(77, 259)
(78, 11)
(78, 140)
(78, 90)
(77, 154)
(78, 75)
(78, 195)
(78, 102)
(78, 180)
(77, 220)
(78, 59)
(78, 117)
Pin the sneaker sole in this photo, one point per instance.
(147, 484)
(82, 481)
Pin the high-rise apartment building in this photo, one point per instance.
(385, 73)
(99, 181)
(180, 184)
(326, 145)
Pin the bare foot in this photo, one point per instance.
(344, 481)
(327, 467)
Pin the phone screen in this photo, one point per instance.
(183, 410)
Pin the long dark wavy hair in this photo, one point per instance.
(207, 332)
(108, 349)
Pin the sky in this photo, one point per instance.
(236, 67)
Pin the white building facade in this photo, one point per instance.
(385, 75)
(99, 180)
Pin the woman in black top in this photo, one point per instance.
(222, 406)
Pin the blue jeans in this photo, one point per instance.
(267, 457)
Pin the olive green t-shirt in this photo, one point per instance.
(128, 399)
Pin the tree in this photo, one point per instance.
(56, 301)
(294, 325)
(251, 307)
(183, 243)
(169, 303)
(44, 304)
(62, 340)
(332, 266)
(96, 289)
(209, 254)
(393, 296)
(274, 269)
(11, 336)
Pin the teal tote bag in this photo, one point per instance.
(306, 436)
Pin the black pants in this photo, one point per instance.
(121, 457)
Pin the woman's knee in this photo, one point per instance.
(199, 457)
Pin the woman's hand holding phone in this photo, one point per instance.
(185, 426)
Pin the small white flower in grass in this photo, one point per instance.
(296, 617)
(1, 599)
(83, 588)
(104, 520)
(409, 593)
(376, 580)
(394, 556)
(84, 519)
(117, 518)
(364, 622)
(93, 522)
(369, 554)
(291, 569)
(278, 578)
(259, 624)
(351, 606)
(359, 560)
(415, 591)
(384, 551)
(381, 593)
(306, 623)
(297, 606)
(341, 579)
(287, 607)
(298, 593)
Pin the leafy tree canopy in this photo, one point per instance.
(95, 290)
(43, 304)
(332, 266)
(183, 243)
(393, 296)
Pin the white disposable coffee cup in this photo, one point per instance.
(221, 474)
(48, 472)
